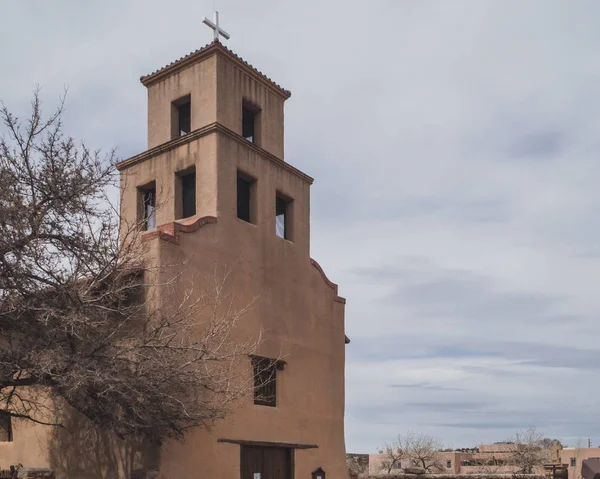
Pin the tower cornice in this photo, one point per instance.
(207, 130)
(214, 48)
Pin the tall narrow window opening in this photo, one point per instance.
(182, 116)
(246, 208)
(265, 380)
(6, 434)
(283, 217)
(148, 206)
(249, 120)
(188, 194)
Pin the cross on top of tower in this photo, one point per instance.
(215, 27)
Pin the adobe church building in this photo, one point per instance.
(215, 165)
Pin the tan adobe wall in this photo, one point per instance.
(25, 433)
(235, 86)
(301, 318)
(456, 459)
(500, 448)
(198, 80)
(200, 152)
(377, 462)
(579, 454)
(217, 79)
(476, 470)
(449, 476)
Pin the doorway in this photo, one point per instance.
(259, 462)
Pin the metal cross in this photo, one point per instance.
(215, 26)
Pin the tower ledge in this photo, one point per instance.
(215, 127)
(215, 47)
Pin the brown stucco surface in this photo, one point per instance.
(218, 83)
(579, 454)
(297, 308)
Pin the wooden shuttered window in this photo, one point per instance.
(265, 380)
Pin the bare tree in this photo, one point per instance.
(527, 449)
(413, 449)
(394, 453)
(85, 320)
(357, 463)
(424, 452)
(492, 465)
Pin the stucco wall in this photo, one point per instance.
(200, 82)
(579, 454)
(376, 462)
(233, 87)
(298, 311)
(500, 448)
(452, 476)
(75, 451)
(29, 446)
(218, 85)
(200, 152)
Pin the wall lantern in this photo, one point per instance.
(318, 474)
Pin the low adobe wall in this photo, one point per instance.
(495, 470)
(28, 473)
(449, 476)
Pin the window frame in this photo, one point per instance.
(180, 205)
(288, 216)
(249, 108)
(264, 371)
(251, 184)
(143, 216)
(176, 108)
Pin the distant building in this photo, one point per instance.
(487, 458)
(574, 456)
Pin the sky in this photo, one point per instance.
(455, 151)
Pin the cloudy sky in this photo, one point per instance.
(456, 153)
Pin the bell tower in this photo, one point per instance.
(213, 85)
(213, 188)
(207, 110)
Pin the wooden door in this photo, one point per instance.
(269, 462)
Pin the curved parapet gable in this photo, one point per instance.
(170, 231)
(332, 285)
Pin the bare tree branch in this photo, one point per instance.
(413, 450)
(138, 350)
(528, 450)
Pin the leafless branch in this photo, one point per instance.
(139, 349)
(413, 450)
